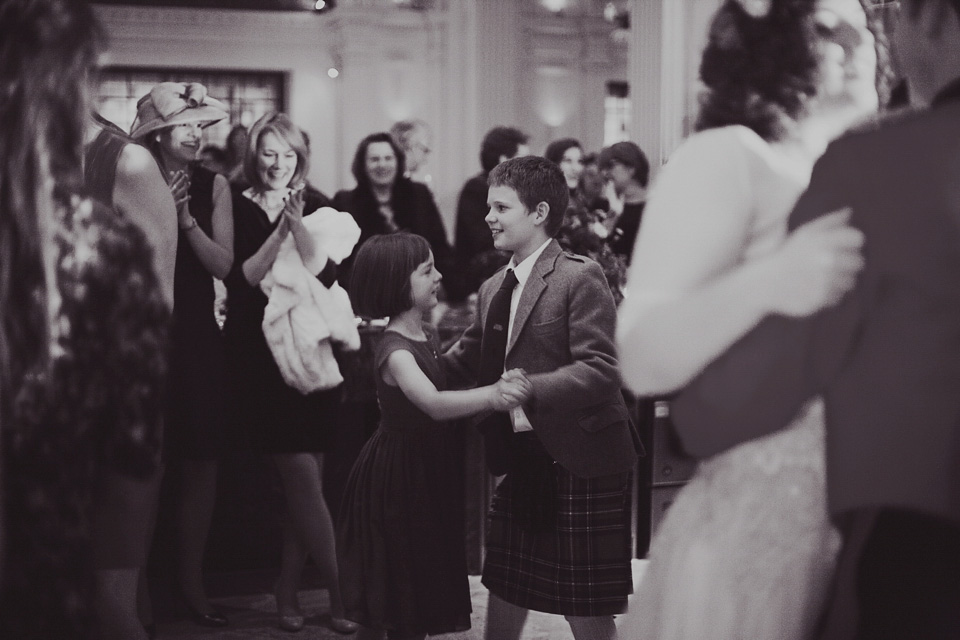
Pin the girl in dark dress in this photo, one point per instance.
(400, 542)
(273, 417)
(169, 123)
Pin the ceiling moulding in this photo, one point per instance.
(214, 26)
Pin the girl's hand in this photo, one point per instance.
(816, 266)
(179, 186)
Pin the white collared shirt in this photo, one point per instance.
(522, 271)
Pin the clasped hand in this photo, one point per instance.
(511, 390)
(179, 188)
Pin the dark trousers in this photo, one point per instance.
(898, 578)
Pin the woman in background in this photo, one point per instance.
(169, 122)
(747, 549)
(276, 419)
(567, 153)
(384, 201)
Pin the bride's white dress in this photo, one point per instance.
(746, 551)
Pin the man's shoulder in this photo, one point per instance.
(907, 126)
(476, 184)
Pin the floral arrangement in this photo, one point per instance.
(583, 232)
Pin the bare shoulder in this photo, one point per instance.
(135, 160)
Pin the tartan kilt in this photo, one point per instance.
(581, 567)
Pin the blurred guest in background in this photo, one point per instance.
(476, 255)
(626, 167)
(214, 158)
(236, 149)
(82, 345)
(567, 153)
(414, 137)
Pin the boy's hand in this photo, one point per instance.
(512, 390)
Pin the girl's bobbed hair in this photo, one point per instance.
(380, 279)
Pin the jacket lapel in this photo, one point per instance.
(533, 288)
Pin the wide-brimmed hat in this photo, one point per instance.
(172, 103)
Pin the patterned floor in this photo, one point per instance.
(254, 617)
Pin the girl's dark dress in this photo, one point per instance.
(400, 541)
(196, 407)
(270, 416)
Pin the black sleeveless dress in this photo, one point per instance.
(268, 415)
(400, 541)
(196, 389)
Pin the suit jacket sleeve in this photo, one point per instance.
(758, 386)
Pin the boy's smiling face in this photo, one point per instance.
(515, 228)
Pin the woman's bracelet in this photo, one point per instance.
(190, 225)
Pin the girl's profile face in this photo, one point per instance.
(572, 166)
(182, 141)
(276, 161)
(847, 60)
(424, 285)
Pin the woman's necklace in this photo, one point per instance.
(272, 202)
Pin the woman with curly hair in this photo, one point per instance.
(82, 337)
(747, 549)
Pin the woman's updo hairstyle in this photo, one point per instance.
(760, 64)
(758, 70)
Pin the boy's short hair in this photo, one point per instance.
(535, 180)
(380, 280)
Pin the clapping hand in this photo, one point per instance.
(293, 208)
(179, 187)
(511, 390)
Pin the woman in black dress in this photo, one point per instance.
(276, 418)
(169, 122)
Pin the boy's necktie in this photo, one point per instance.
(496, 428)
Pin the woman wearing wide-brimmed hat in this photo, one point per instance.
(170, 121)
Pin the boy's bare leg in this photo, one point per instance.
(592, 628)
(504, 620)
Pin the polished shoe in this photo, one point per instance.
(292, 623)
(214, 619)
(344, 626)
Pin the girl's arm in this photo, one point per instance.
(256, 266)
(403, 371)
(690, 295)
(216, 253)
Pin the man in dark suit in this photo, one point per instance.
(886, 359)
